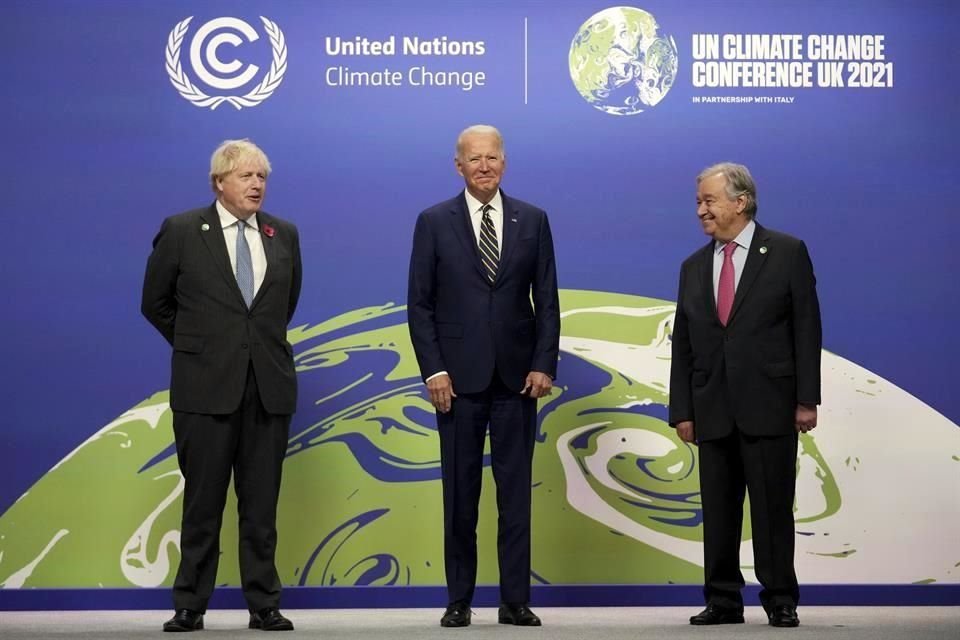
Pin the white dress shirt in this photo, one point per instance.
(229, 224)
(743, 241)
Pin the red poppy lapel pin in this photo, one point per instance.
(268, 230)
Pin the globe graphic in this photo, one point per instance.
(615, 494)
(621, 62)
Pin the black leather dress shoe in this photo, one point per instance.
(184, 620)
(717, 615)
(456, 615)
(270, 619)
(784, 615)
(519, 615)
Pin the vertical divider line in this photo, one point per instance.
(524, 60)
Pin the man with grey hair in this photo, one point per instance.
(486, 355)
(221, 285)
(744, 382)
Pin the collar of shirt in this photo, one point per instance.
(227, 218)
(743, 239)
(474, 206)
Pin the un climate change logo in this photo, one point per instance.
(621, 62)
(204, 57)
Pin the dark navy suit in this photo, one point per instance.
(488, 338)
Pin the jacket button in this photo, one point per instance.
(243, 346)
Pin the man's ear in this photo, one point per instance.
(741, 203)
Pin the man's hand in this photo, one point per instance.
(686, 432)
(537, 384)
(441, 392)
(806, 418)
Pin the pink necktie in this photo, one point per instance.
(725, 291)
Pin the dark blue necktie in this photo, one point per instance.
(244, 265)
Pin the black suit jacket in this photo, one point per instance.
(190, 294)
(459, 322)
(753, 372)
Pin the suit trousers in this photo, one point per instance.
(512, 419)
(766, 468)
(251, 444)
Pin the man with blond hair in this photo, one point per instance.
(744, 381)
(486, 355)
(221, 285)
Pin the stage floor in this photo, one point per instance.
(602, 623)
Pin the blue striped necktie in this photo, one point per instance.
(244, 265)
(489, 249)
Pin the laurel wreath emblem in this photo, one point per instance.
(264, 90)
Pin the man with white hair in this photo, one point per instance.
(486, 355)
(744, 382)
(221, 285)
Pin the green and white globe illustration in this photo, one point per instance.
(621, 62)
(615, 493)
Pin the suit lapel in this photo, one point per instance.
(269, 252)
(706, 280)
(511, 228)
(217, 246)
(460, 219)
(755, 261)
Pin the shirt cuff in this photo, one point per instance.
(438, 373)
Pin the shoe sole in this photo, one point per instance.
(282, 627)
(517, 624)
(710, 624)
